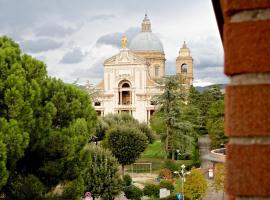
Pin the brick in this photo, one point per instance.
(247, 53)
(247, 110)
(233, 6)
(247, 170)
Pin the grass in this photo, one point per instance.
(154, 150)
(155, 154)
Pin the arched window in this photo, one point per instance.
(156, 71)
(184, 68)
(125, 94)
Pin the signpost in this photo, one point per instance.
(179, 196)
(87, 196)
(210, 173)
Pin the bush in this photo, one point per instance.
(166, 173)
(171, 165)
(133, 193)
(151, 190)
(166, 184)
(185, 156)
(127, 180)
(27, 188)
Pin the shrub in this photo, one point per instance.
(151, 190)
(166, 173)
(27, 187)
(166, 184)
(133, 193)
(171, 165)
(127, 180)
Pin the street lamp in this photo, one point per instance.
(183, 177)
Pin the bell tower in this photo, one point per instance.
(184, 65)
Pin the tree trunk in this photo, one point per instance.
(172, 154)
(167, 143)
(123, 170)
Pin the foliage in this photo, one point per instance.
(171, 165)
(74, 189)
(219, 177)
(127, 180)
(157, 122)
(166, 184)
(151, 190)
(27, 188)
(166, 173)
(133, 193)
(196, 161)
(101, 177)
(148, 132)
(50, 122)
(215, 124)
(3, 168)
(195, 185)
(100, 129)
(126, 120)
(126, 144)
(209, 96)
(179, 131)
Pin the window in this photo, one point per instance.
(125, 94)
(156, 71)
(184, 68)
(97, 103)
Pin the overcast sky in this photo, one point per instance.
(74, 37)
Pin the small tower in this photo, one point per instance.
(146, 24)
(184, 65)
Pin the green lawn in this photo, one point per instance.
(154, 150)
(154, 154)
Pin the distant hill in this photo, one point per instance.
(201, 89)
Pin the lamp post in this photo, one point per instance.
(183, 177)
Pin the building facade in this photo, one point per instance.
(132, 77)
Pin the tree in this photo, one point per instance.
(170, 102)
(44, 124)
(3, 168)
(101, 177)
(127, 120)
(209, 96)
(215, 124)
(126, 144)
(157, 122)
(195, 185)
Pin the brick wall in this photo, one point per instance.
(245, 30)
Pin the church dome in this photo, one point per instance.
(146, 40)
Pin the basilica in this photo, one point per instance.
(131, 77)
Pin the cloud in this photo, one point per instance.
(114, 39)
(74, 56)
(102, 17)
(170, 67)
(54, 30)
(41, 45)
(93, 72)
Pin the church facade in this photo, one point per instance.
(131, 77)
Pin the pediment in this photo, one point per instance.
(125, 57)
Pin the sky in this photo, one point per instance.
(74, 37)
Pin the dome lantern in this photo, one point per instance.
(146, 24)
